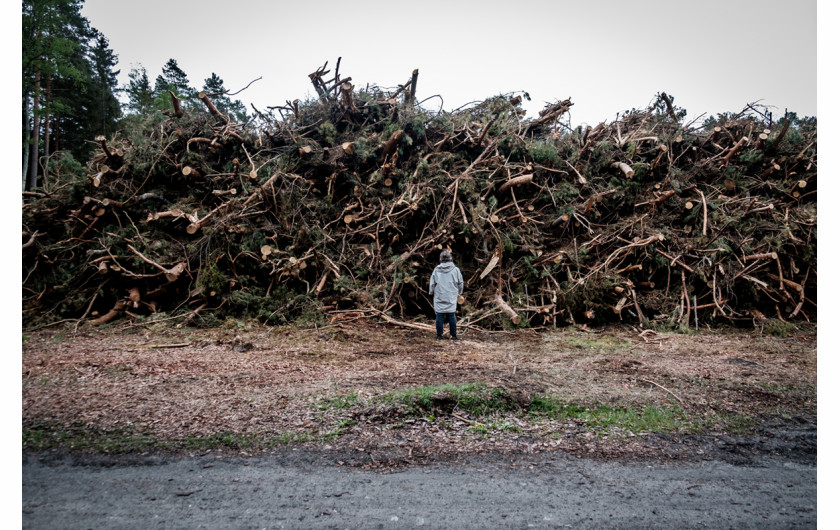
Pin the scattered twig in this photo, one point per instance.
(663, 388)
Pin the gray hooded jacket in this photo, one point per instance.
(446, 284)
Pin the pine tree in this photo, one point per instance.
(174, 79)
(53, 30)
(104, 85)
(214, 87)
(68, 83)
(139, 90)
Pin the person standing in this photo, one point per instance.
(446, 284)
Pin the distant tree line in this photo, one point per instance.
(143, 98)
(70, 93)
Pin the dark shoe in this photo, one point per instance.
(454, 338)
(440, 337)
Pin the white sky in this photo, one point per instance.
(608, 56)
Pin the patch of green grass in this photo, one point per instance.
(130, 440)
(79, 437)
(476, 399)
(218, 440)
(605, 417)
(478, 428)
(338, 429)
(735, 423)
(648, 419)
(242, 441)
(776, 387)
(505, 426)
(343, 401)
(778, 328)
(599, 343)
(486, 428)
(59, 338)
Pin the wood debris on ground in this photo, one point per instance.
(343, 203)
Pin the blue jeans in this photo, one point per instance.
(439, 320)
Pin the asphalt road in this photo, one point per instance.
(295, 489)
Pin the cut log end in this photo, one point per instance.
(729, 184)
(627, 170)
(189, 171)
(134, 294)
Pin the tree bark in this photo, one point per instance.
(391, 145)
(734, 150)
(782, 132)
(347, 98)
(118, 308)
(627, 170)
(667, 102)
(506, 309)
(32, 181)
(211, 107)
(662, 198)
(27, 136)
(409, 98)
(47, 131)
(176, 104)
(516, 181)
(32, 238)
(318, 83)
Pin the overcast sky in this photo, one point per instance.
(608, 56)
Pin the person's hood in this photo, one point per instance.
(446, 266)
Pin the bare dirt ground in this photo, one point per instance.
(359, 425)
(346, 390)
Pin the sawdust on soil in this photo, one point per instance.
(323, 388)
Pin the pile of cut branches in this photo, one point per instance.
(341, 205)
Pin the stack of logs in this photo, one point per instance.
(342, 205)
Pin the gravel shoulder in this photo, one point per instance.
(297, 489)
